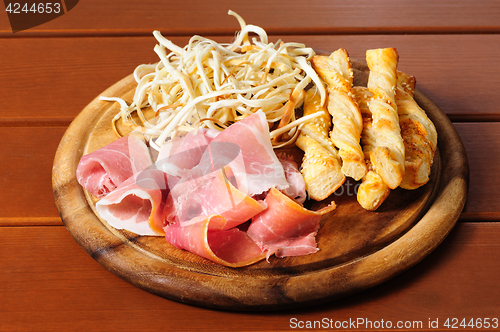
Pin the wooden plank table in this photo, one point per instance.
(49, 73)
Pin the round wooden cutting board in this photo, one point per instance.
(358, 249)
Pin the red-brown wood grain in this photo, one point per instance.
(481, 141)
(52, 284)
(26, 172)
(53, 84)
(49, 73)
(94, 17)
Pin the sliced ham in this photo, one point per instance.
(185, 152)
(202, 189)
(286, 228)
(300, 246)
(258, 169)
(216, 156)
(212, 194)
(137, 204)
(179, 156)
(205, 237)
(103, 170)
(245, 152)
(297, 185)
(222, 198)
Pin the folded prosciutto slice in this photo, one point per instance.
(243, 151)
(103, 170)
(186, 152)
(223, 195)
(205, 237)
(286, 228)
(212, 194)
(137, 204)
(297, 185)
(257, 169)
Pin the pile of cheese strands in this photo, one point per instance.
(376, 134)
(208, 84)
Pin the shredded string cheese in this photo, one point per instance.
(212, 85)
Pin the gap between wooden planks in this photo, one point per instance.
(126, 17)
(30, 221)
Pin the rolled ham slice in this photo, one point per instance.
(137, 204)
(103, 170)
(205, 237)
(286, 228)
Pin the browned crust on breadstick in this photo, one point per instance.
(406, 83)
(419, 135)
(372, 191)
(321, 165)
(389, 154)
(321, 171)
(336, 72)
(318, 127)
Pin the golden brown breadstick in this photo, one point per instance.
(418, 132)
(406, 83)
(337, 73)
(372, 191)
(318, 127)
(389, 154)
(321, 164)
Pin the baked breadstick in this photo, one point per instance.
(418, 132)
(372, 191)
(318, 127)
(336, 72)
(321, 164)
(406, 83)
(389, 154)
